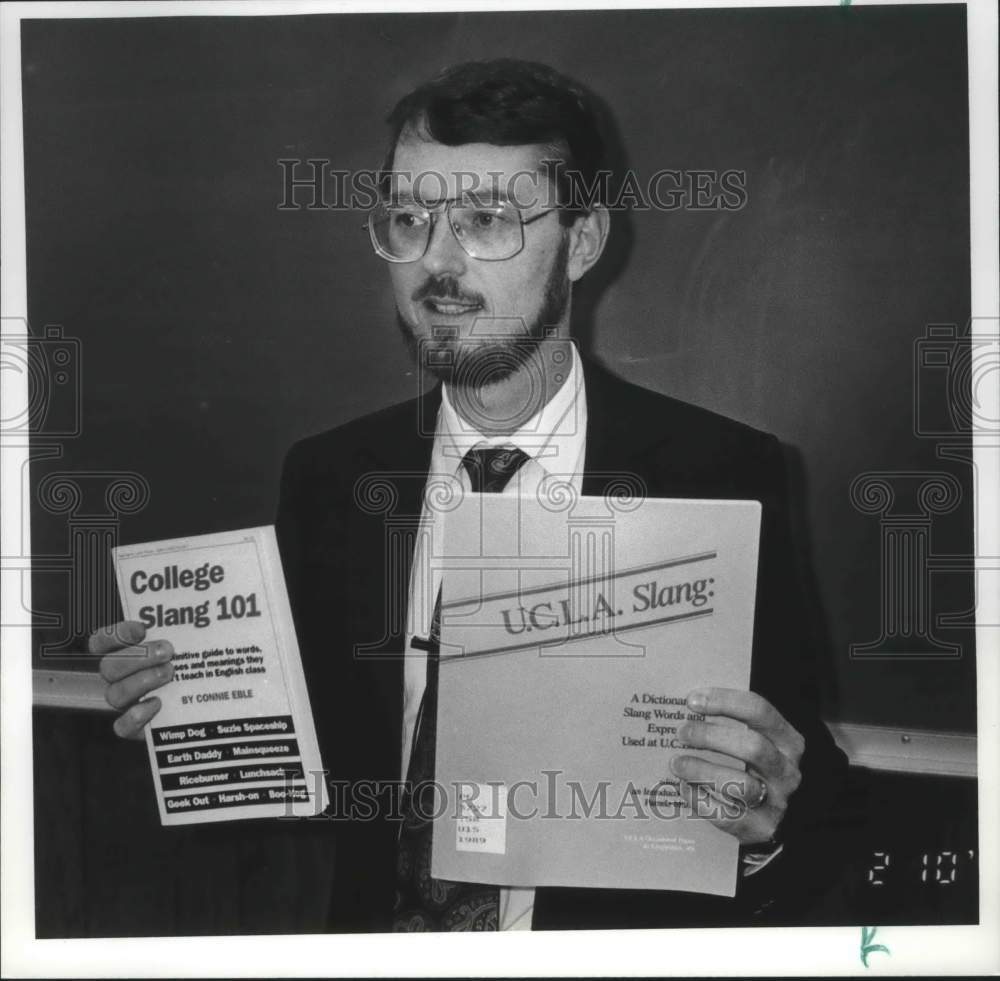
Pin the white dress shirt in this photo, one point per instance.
(554, 439)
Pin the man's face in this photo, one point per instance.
(470, 320)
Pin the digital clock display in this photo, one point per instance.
(941, 868)
(917, 855)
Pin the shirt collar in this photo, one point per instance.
(554, 436)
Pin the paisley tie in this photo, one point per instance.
(422, 902)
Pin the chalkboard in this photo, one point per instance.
(207, 328)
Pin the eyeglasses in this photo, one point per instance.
(401, 232)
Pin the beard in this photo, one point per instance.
(471, 365)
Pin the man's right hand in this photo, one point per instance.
(132, 667)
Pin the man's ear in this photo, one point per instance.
(587, 237)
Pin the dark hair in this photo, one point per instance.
(508, 102)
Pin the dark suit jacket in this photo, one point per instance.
(349, 501)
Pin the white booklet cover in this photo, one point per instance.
(235, 737)
(570, 638)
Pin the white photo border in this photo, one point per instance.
(772, 951)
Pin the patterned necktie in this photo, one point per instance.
(424, 903)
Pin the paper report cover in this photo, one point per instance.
(570, 639)
(235, 737)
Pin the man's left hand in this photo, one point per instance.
(748, 804)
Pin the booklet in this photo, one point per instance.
(570, 638)
(235, 737)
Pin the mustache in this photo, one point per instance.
(445, 288)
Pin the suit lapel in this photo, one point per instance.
(389, 473)
(618, 437)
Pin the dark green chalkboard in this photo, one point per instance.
(214, 328)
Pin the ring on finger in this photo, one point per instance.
(761, 796)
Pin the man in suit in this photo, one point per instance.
(484, 241)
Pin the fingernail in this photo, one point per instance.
(677, 766)
(133, 631)
(697, 700)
